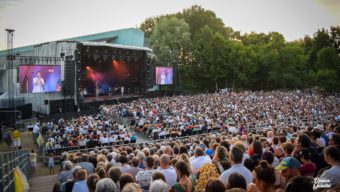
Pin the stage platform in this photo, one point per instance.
(90, 102)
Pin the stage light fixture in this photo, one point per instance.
(88, 68)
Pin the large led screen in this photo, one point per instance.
(39, 78)
(164, 75)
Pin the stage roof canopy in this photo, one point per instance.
(130, 38)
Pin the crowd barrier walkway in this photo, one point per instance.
(43, 184)
(8, 162)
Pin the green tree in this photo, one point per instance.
(169, 38)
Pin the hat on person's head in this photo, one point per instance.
(209, 152)
(288, 162)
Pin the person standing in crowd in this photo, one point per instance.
(51, 163)
(33, 161)
(16, 136)
(36, 130)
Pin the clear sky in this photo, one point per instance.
(38, 21)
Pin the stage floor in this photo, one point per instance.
(110, 98)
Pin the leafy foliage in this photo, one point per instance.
(210, 54)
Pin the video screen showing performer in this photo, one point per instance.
(164, 75)
(38, 83)
(40, 78)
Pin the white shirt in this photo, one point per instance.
(104, 140)
(245, 156)
(170, 175)
(237, 168)
(198, 162)
(36, 129)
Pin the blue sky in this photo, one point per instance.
(38, 21)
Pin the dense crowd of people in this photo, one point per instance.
(266, 141)
(85, 131)
(262, 161)
(234, 112)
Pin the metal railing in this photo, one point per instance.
(8, 161)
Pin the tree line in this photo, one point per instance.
(209, 55)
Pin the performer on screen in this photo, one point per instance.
(163, 78)
(38, 83)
